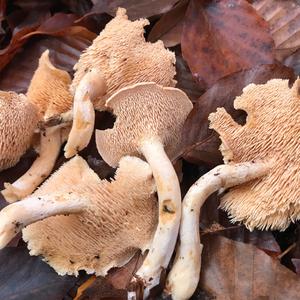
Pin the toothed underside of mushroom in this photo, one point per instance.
(272, 130)
(18, 121)
(121, 53)
(155, 110)
(121, 217)
(49, 88)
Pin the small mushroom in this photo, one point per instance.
(49, 93)
(262, 162)
(118, 57)
(149, 123)
(94, 225)
(18, 120)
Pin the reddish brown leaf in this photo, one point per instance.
(169, 27)
(135, 9)
(223, 37)
(57, 25)
(115, 284)
(185, 79)
(283, 17)
(200, 143)
(64, 52)
(234, 270)
(293, 61)
(296, 263)
(26, 277)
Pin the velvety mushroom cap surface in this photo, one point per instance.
(18, 120)
(145, 111)
(49, 88)
(272, 131)
(120, 218)
(121, 53)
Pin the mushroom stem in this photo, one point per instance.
(169, 197)
(90, 87)
(50, 144)
(16, 216)
(184, 275)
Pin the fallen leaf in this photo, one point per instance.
(283, 17)
(135, 9)
(201, 144)
(55, 25)
(293, 61)
(114, 285)
(234, 270)
(169, 27)
(223, 37)
(64, 53)
(25, 277)
(185, 79)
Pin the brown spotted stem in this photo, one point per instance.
(50, 143)
(184, 276)
(169, 197)
(16, 216)
(90, 87)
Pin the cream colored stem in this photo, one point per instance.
(16, 216)
(169, 197)
(184, 276)
(50, 144)
(90, 87)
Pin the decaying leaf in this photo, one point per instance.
(25, 277)
(64, 53)
(223, 37)
(169, 27)
(283, 17)
(135, 9)
(233, 270)
(201, 144)
(55, 25)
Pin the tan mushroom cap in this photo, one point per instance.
(144, 111)
(49, 88)
(121, 218)
(125, 58)
(18, 120)
(272, 131)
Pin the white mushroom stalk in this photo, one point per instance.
(50, 144)
(184, 276)
(169, 197)
(90, 87)
(16, 216)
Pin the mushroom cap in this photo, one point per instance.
(121, 217)
(145, 111)
(272, 131)
(121, 53)
(49, 88)
(18, 120)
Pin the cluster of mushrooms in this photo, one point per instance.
(77, 221)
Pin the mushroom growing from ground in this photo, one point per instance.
(49, 93)
(89, 224)
(262, 160)
(18, 120)
(149, 123)
(118, 57)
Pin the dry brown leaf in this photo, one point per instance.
(234, 270)
(223, 37)
(64, 53)
(135, 9)
(283, 17)
(55, 25)
(169, 27)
